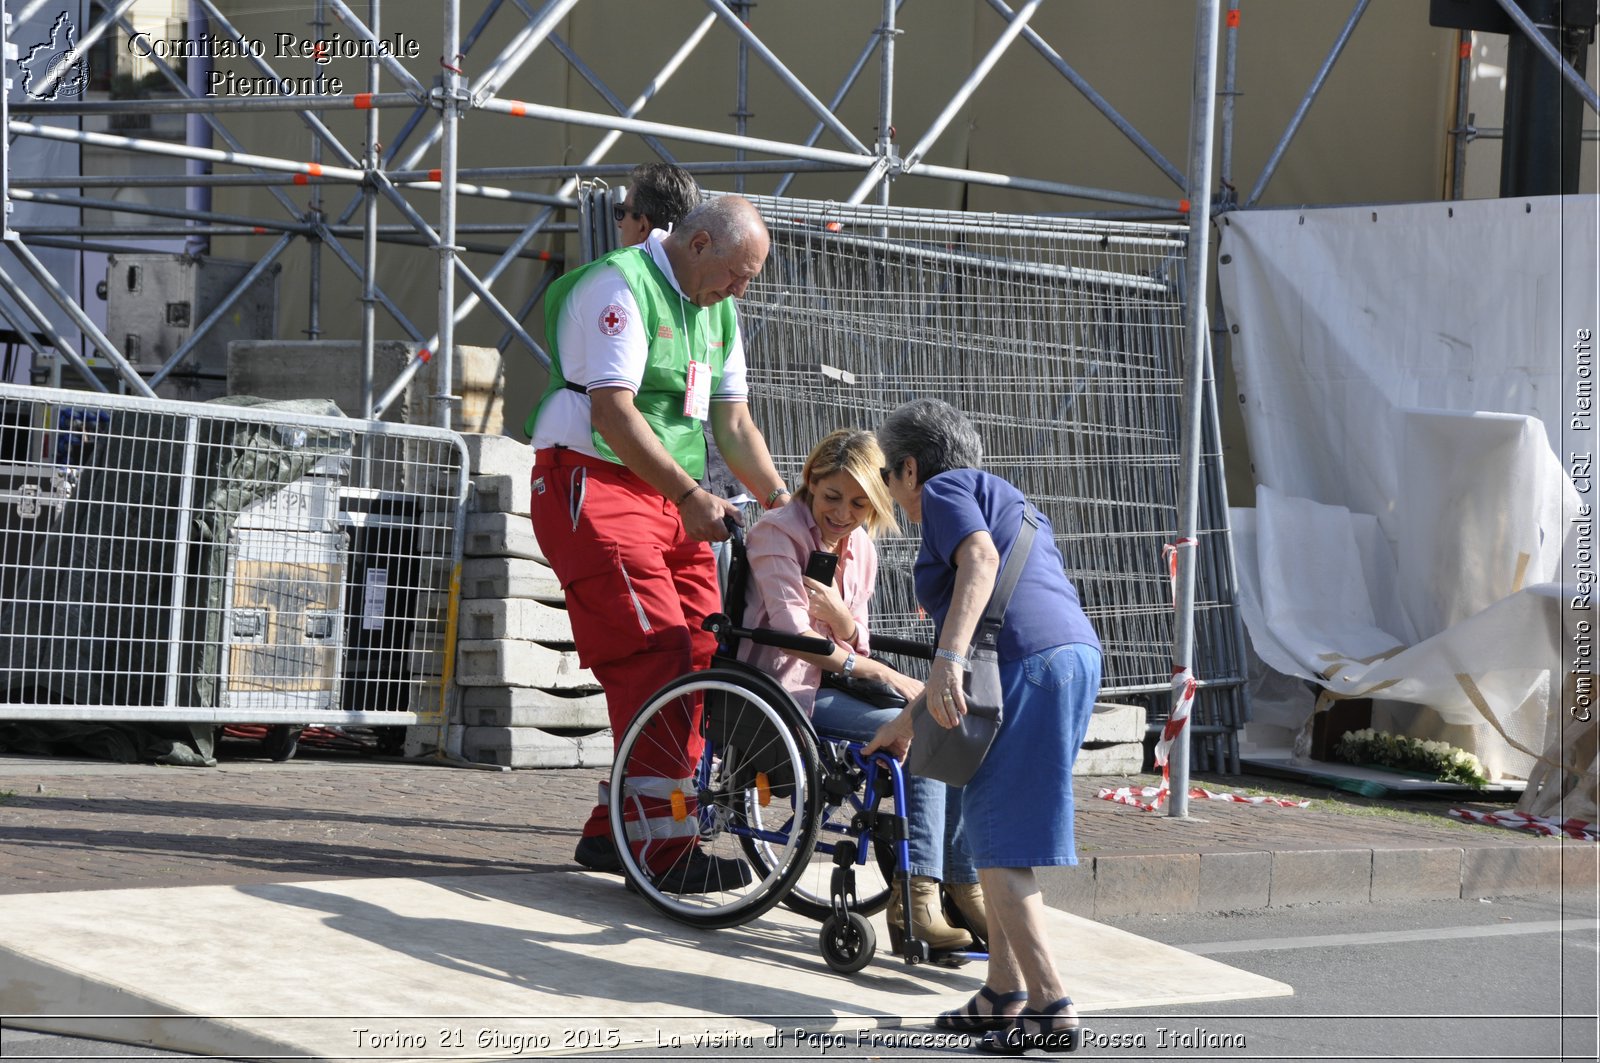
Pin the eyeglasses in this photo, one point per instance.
(886, 474)
(620, 211)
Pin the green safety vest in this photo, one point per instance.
(675, 328)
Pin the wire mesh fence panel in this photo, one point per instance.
(234, 561)
(1061, 339)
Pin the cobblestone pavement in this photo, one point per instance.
(78, 825)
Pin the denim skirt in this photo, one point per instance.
(1018, 808)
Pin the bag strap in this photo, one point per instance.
(995, 614)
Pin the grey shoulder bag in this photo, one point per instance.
(952, 755)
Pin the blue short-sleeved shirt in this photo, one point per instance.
(1044, 609)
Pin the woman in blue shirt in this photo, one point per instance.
(1018, 808)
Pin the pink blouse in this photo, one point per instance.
(777, 547)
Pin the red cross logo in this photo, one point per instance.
(613, 319)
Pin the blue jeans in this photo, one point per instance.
(933, 819)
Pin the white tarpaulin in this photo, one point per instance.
(1406, 383)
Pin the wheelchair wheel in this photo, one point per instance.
(756, 779)
(848, 943)
(812, 895)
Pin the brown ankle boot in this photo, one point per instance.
(928, 914)
(968, 899)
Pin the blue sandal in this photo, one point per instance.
(968, 1019)
(1051, 1036)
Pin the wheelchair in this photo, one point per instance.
(760, 785)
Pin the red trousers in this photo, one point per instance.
(637, 588)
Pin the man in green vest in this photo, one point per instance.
(645, 348)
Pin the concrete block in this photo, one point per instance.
(529, 747)
(510, 577)
(528, 707)
(1318, 875)
(514, 618)
(1124, 759)
(1116, 724)
(513, 662)
(298, 369)
(1416, 874)
(1232, 882)
(501, 535)
(501, 494)
(1155, 883)
(1508, 870)
(497, 455)
(1070, 889)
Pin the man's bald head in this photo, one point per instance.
(718, 249)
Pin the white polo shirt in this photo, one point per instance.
(602, 343)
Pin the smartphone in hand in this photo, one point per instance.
(821, 566)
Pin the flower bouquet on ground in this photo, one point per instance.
(1445, 762)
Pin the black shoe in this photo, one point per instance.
(699, 873)
(598, 854)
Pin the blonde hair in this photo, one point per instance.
(856, 452)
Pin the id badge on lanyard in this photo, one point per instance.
(697, 392)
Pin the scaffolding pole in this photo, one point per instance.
(1202, 122)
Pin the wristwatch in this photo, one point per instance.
(849, 664)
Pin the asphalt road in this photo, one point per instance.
(1503, 980)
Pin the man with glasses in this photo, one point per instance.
(645, 350)
(658, 195)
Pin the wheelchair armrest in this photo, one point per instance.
(904, 647)
(722, 627)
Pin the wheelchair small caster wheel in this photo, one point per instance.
(848, 943)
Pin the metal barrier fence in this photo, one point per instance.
(1063, 340)
(226, 562)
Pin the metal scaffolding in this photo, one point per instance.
(430, 117)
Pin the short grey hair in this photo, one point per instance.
(937, 434)
(731, 221)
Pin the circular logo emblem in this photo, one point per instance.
(613, 319)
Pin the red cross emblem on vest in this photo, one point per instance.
(613, 319)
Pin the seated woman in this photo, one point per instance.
(840, 505)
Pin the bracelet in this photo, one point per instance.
(685, 496)
(952, 656)
(774, 494)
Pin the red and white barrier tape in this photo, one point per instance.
(1556, 828)
(1169, 553)
(1127, 795)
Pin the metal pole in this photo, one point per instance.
(1459, 135)
(786, 76)
(1573, 76)
(886, 99)
(314, 215)
(58, 341)
(222, 309)
(197, 196)
(1230, 93)
(1202, 121)
(418, 90)
(1305, 103)
(1017, 24)
(1098, 101)
(741, 93)
(181, 151)
(516, 53)
(451, 98)
(369, 247)
(180, 555)
(79, 50)
(128, 373)
(838, 98)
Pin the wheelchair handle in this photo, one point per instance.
(904, 647)
(721, 626)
